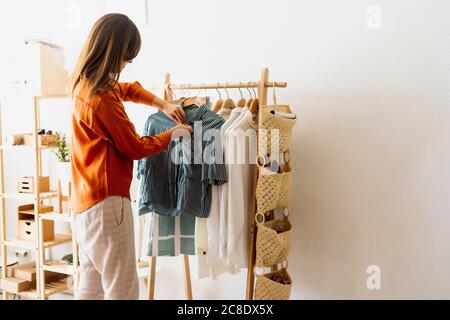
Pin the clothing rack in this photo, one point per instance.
(263, 84)
(240, 85)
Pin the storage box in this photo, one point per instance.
(47, 140)
(26, 184)
(14, 139)
(27, 271)
(27, 225)
(15, 285)
(27, 230)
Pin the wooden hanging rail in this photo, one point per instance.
(240, 85)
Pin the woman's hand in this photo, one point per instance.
(179, 132)
(182, 127)
(174, 112)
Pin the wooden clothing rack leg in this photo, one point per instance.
(262, 96)
(187, 277)
(151, 279)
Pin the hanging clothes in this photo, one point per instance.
(209, 264)
(171, 236)
(182, 186)
(228, 221)
(224, 113)
(165, 235)
(223, 196)
(173, 190)
(201, 237)
(241, 151)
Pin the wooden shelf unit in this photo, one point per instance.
(42, 290)
(30, 196)
(25, 147)
(59, 266)
(27, 244)
(55, 216)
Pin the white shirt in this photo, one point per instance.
(223, 204)
(212, 265)
(224, 113)
(207, 235)
(240, 188)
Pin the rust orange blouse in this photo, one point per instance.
(105, 143)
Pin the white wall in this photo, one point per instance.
(371, 149)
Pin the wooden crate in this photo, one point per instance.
(27, 225)
(27, 230)
(49, 140)
(27, 271)
(26, 184)
(14, 139)
(15, 285)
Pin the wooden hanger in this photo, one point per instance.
(197, 101)
(254, 106)
(228, 103)
(249, 101)
(219, 103)
(241, 103)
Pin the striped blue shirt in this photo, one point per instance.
(177, 187)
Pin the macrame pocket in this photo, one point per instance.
(273, 190)
(273, 241)
(274, 132)
(275, 285)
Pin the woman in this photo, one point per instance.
(104, 145)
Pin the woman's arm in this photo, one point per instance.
(111, 122)
(136, 93)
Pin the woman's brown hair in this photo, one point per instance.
(113, 40)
